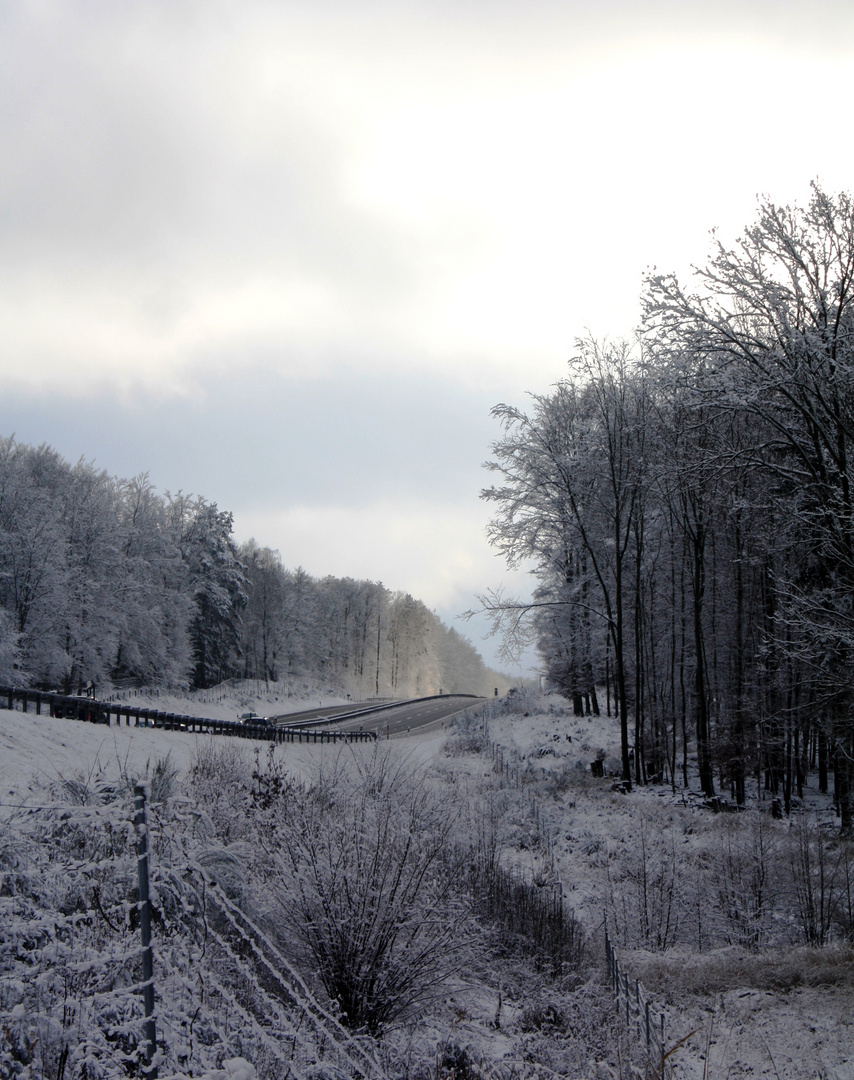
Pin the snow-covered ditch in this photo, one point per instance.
(678, 886)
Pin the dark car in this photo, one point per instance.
(254, 720)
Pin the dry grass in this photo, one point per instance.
(678, 972)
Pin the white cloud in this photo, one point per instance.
(204, 194)
(444, 187)
(435, 551)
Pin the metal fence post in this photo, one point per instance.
(142, 850)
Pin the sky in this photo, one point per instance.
(288, 255)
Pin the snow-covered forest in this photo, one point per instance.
(687, 501)
(105, 581)
(435, 908)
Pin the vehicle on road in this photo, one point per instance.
(252, 719)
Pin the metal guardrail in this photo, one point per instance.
(91, 710)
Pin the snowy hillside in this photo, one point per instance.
(673, 879)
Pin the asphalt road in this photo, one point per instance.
(412, 717)
(407, 717)
(321, 713)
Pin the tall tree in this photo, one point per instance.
(572, 482)
(771, 324)
(217, 583)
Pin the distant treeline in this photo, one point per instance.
(105, 581)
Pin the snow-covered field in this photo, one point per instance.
(785, 1012)
(35, 750)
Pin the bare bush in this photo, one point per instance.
(364, 887)
(646, 891)
(823, 875)
(745, 857)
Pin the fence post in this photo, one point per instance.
(142, 850)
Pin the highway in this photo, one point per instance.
(412, 717)
(322, 713)
(407, 717)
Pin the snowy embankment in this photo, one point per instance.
(684, 889)
(662, 868)
(38, 751)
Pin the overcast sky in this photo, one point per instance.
(288, 255)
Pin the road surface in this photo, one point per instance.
(412, 717)
(408, 717)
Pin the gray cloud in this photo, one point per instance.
(253, 437)
(287, 255)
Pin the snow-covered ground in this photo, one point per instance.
(37, 751)
(787, 1013)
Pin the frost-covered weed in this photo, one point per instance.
(679, 972)
(70, 951)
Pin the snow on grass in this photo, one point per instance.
(785, 1011)
(781, 1012)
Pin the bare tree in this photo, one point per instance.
(572, 480)
(771, 327)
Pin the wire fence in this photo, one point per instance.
(82, 992)
(642, 1018)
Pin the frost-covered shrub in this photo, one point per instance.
(457, 1062)
(363, 889)
(220, 779)
(524, 701)
(467, 736)
(539, 1015)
